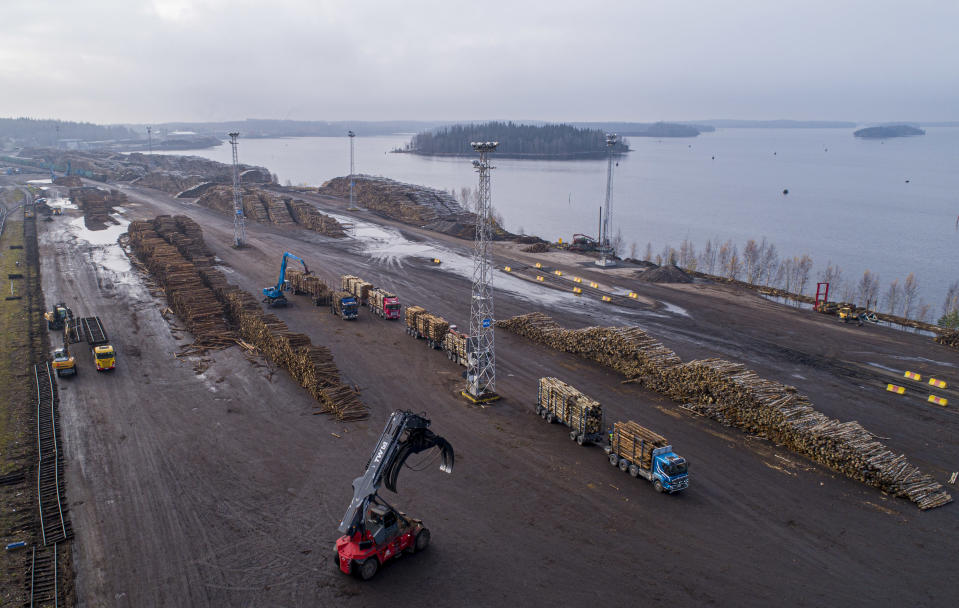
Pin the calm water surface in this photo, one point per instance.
(849, 201)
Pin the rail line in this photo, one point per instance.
(54, 525)
(44, 586)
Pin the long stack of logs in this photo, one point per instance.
(948, 338)
(202, 297)
(189, 298)
(735, 395)
(309, 284)
(265, 207)
(310, 218)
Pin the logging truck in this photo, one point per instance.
(457, 346)
(560, 402)
(384, 304)
(344, 305)
(642, 453)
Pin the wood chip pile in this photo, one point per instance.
(735, 395)
(203, 298)
(948, 338)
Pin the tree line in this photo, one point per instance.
(544, 141)
(36, 132)
(759, 263)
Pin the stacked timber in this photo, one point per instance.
(948, 338)
(253, 207)
(628, 350)
(361, 290)
(346, 282)
(309, 284)
(635, 443)
(309, 217)
(432, 327)
(455, 343)
(737, 396)
(570, 406)
(276, 209)
(412, 313)
(202, 297)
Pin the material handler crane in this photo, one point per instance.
(374, 531)
(274, 295)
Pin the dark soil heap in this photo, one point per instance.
(665, 274)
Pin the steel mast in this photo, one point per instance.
(352, 206)
(239, 220)
(605, 240)
(481, 372)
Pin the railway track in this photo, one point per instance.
(54, 524)
(44, 585)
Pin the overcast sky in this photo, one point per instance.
(151, 61)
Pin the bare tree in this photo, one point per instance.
(893, 297)
(751, 259)
(922, 313)
(769, 262)
(847, 291)
(831, 274)
(951, 303)
(784, 274)
(735, 264)
(725, 251)
(632, 250)
(648, 254)
(910, 293)
(617, 243)
(687, 254)
(803, 267)
(707, 259)
(868, 288)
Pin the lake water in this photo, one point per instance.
(849, 201)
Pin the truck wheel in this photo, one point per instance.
(658, 485)
(572, 435)
(551, 417)
(581, 439)
(422, 540)
(634, 470)
(336, 561)
(623, 464)
(367, 569)
(613, 459)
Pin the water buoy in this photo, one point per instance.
(907, 181)
(785, 191)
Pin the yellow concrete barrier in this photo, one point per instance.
(558, 273)
(913, 376)
(436, 261)
(578, 290)
(633, 295)
(538, 265)
(938, 400)
(937, 383)
(607, 299)
(892, 388)
(507, 269)
(577, 280)
(539, 277)
(594, 285)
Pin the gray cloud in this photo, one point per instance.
(153, 61)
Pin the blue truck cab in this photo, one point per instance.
(670, 470)
(345, 305)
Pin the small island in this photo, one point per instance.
(889, 131)
(547, 142)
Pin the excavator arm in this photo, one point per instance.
(405, 434)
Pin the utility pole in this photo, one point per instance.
(239, 220)
(352, 206)
(605, 239)
(481, 372)
(150, 139)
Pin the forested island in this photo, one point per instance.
(559, 142)
(889, 131)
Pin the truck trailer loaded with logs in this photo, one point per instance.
(642, 453)
(344, 304)
(384, 304)
(560, 402)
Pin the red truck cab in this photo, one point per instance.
(391, 308)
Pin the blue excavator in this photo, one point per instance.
(274, 295)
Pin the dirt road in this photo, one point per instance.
(207, 482)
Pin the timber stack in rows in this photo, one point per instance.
(735, 395)
(309, 284)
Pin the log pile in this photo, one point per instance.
(310, 218)
(411, 314)
(189, 298)
(735, 395)
(202, 297)
(628, 350)
(432, 327)
(948, 338)
(253, 207)
(636, 443)
(309, 284)
(97, 205)
(570, 406)
(276, 209)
